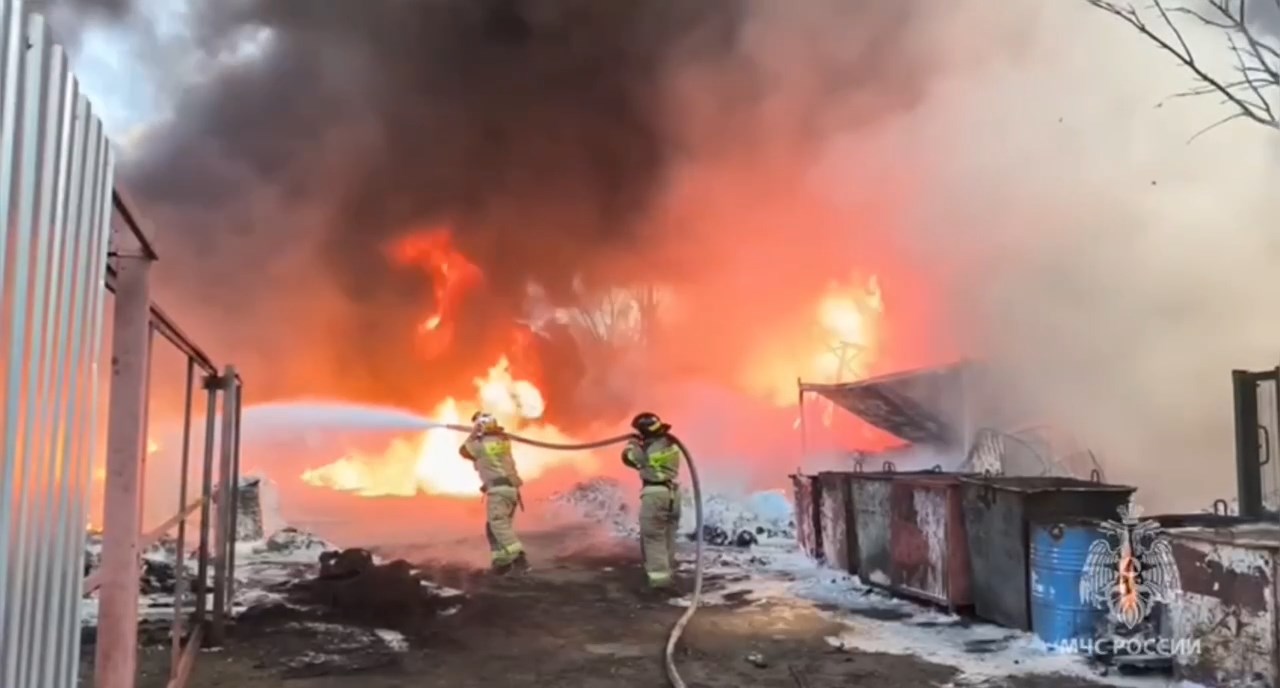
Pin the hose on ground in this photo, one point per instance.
(669, 654)
(673, 639)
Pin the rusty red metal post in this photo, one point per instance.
(116, 659)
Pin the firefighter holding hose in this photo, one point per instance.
(489, 449)
(654, 454)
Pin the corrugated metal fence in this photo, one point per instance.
(55, 200)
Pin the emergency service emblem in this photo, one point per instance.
(1130, 569)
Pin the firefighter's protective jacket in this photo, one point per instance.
(657, 460)
(491, 454)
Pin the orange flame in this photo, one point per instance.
(452, 275)
(430, 463)
(842, 344)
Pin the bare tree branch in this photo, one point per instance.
(1256, 82)
(1231, 117)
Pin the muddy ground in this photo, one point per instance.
(581, 620)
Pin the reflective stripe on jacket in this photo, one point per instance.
(656, 460)
(493, 460)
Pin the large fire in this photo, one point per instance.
(452, 277)
(429, 463)
(841, 344)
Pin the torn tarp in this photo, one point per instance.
(919, 406)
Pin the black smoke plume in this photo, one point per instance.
(535, 130)
(305, 136)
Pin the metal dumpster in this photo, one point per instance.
(838, 535)
(807, 493)
(1223, 624)
(911, 535)
(998, 512)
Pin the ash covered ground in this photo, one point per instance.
(309, 615)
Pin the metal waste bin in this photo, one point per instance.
(807, 493)
(1222, 623)
(911, 536)
(998, 512)
(838, 534)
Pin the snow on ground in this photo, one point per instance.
(394, 640)
(727, 518)
(260, 566)
(775, 572)
(782, 577)
(286, 555)
(765, 568)
(601, 500)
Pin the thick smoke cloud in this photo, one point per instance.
(532, 129)
(305, 136)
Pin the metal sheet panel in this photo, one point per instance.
(929, 548)
(839, 534)
(997, 532)
(57, 166)
(998, 513)
(806, 494)
(1228, 605)
(916, 406)
(871, 502)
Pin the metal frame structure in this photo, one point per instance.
(1252, 434)
(66, 231)
(137, 321)
(215, 508)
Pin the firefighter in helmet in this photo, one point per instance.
(654, 454)
(489, 449)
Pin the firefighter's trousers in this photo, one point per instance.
(659, 521)
(499, 528)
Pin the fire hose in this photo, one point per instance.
(677, 630)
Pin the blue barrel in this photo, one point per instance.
(1057, 557)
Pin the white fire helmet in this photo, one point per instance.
(482, 421)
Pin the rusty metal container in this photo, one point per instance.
(870, 493)
(807, 497)
(839, 536)
(930, 547)
(1223, 624)
(911, 535)
(998, 512)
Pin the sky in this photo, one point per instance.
(106, 66)
(109, 59)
